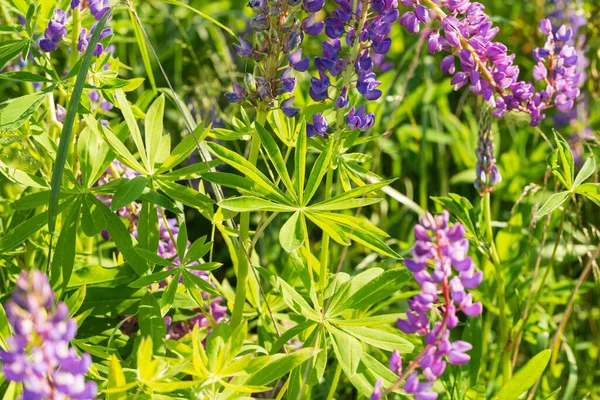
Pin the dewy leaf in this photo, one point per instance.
(128, 192)
(154, 128)
(348, 350)
(18, 111)
(275, 156)
(589, 167)
(293, 232)
(553, 203)
(65, 136)
(152, 323)
(525, 377)
(134, 129)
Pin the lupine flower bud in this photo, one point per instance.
(55, 31)
(488, 175)
(318, 127)
(38, 354)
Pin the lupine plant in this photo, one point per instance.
(299, 199)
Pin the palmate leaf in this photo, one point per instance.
(134, 129)
(276, 158)
(293, 233)
(318, 172)
(154, 129)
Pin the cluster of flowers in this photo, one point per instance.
(364, 30)
(485, 64)
(39, 355)
(280, 32)
(441, 266)
(488, 175)
(55, 31)
(166, 249)
(564, 12)
(97, 8)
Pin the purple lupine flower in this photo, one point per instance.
(466, 31)
(377, 395)
(488, 175)
(297, 62)
(98, 8)
(39, 355)
(83, 41)
(443, 270)
(55, 31)
(287, 106)
(319, 87)
(358, 120)
(320, 126)
(278, 51)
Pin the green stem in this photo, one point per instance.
(506, 359)
(324, 260)
(245, 243)
(75, 37)
(335, 381)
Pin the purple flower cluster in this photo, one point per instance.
(359, 38)
(557, 66)
(488, 175)
(39, 355)
(280, 28)
(441, 266)
(97, 8)
(55, 31)
(467, 33)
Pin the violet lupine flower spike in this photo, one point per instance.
(441, 266)
(359, 35)
(39, 355)
(488, 175)
(485, 65)
(280, 32)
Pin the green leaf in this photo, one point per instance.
(148, 233)
(561, 161)
(473, 334)
(525, 377)
(345, 204)
(378, 289)
(128, 192)
(290, 334)
(318, 172)
(65, 136)
(183, 150)
(92, 219)
(296, 302)
(134, 129)
(251, 203)
(87, 151)
(197, 250)
(348, 350)
(591, 191)
(64, 254)
(293, 233)
(18, 111)
(275, 156)
(353, 193)
(4, 328)
(185, 195)
(329, 227)
(27, 228)
(75, 301)
(353, 222)
(9, 50)
(116, 379)
(122, 238)
(148, 280)
(589, 167)
(379, 338)
(300, 162)
(278, 366)
(199, 283)
(152, 323)
(462, 209)
(373, 243)
(154, 128)
(168, 297)
(250, 171)
(141, 42)
(153, 257)
(553, 202)
(24, 76)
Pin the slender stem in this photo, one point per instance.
(75, 37)
(335, 381)
(503, 322)
(245, 242)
